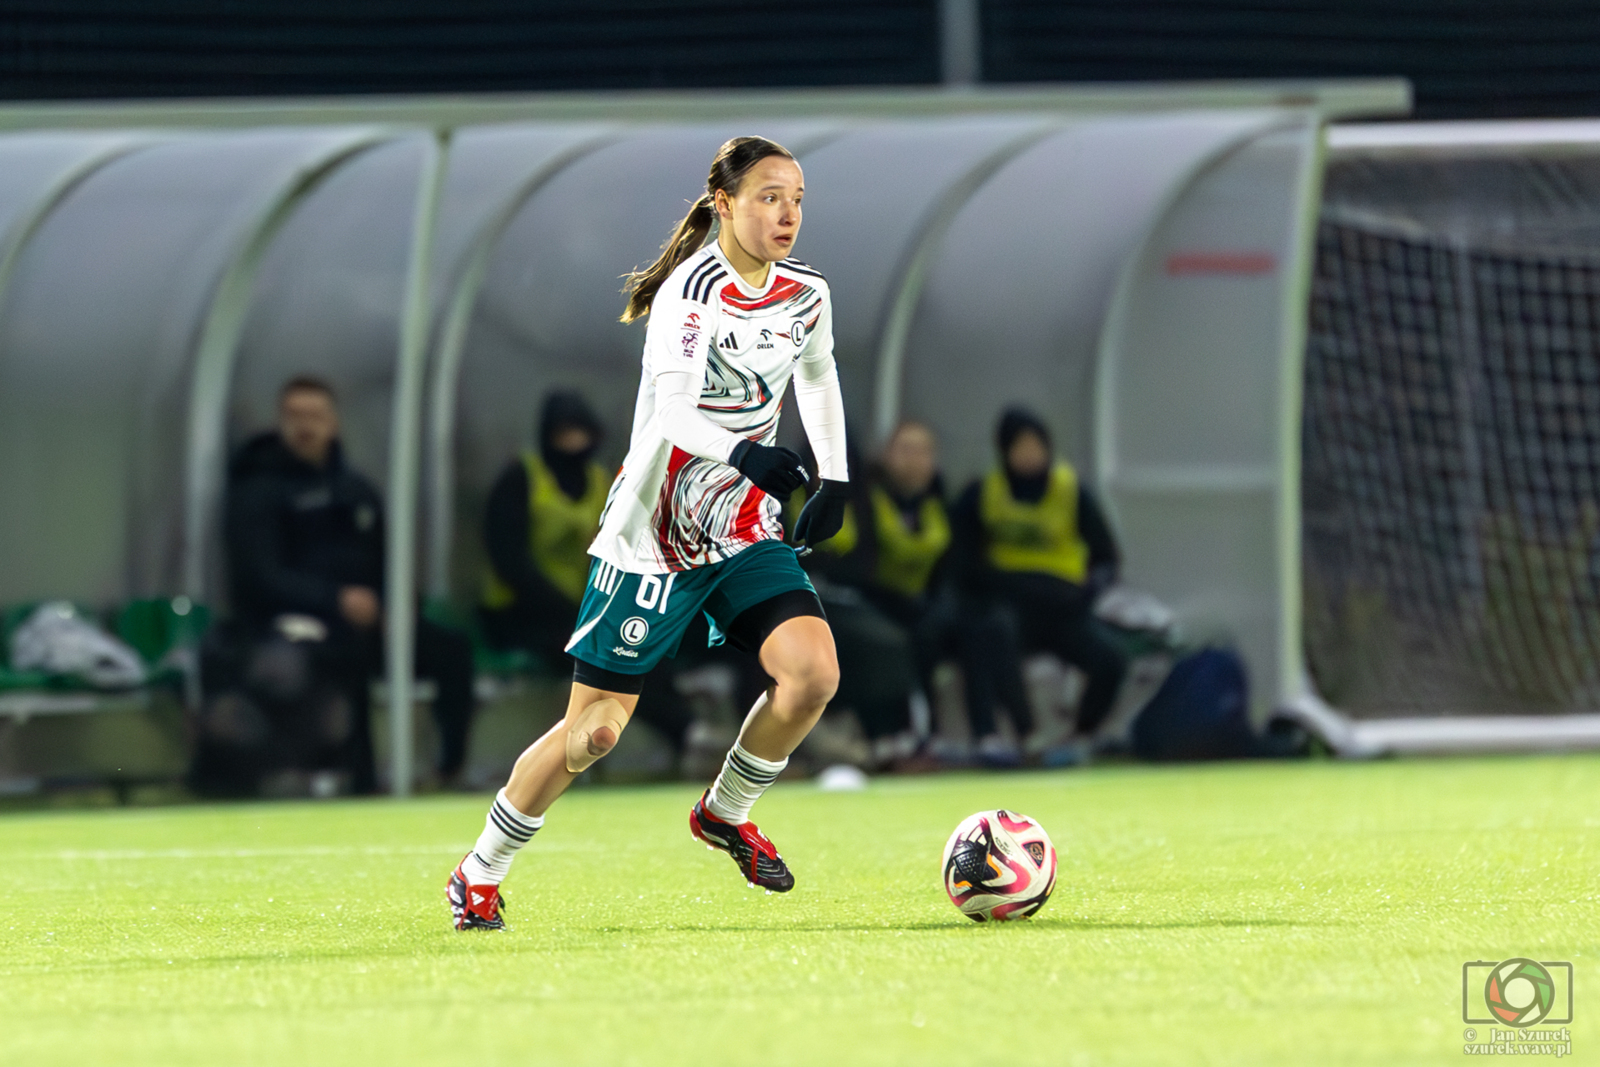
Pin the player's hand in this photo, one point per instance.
(823, 514)
(775, 471)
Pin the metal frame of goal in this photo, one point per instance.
(1450, 452)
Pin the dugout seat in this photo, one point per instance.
(56, 731)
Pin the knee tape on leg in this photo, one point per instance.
(594, 733)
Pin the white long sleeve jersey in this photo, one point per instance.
(718, 356)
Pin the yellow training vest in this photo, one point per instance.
(1035, 537)
(560, 531)
(906, 558)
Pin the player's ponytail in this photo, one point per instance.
(733, 161)
(685, 240)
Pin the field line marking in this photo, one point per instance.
(269, 853)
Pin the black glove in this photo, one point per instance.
(823, 514)
(775, 471)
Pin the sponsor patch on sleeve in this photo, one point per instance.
(690, 336)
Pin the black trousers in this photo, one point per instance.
(443, 655)
(981, 639)
(1053, 615)
(877, 661)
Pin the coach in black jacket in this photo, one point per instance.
(305, 537)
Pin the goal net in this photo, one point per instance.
(1451, 439)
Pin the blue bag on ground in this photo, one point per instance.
(1201, 711)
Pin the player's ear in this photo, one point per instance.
(724, 204)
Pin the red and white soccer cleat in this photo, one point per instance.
(475, 907)
(758, 860)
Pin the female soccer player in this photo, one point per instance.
(691, 523)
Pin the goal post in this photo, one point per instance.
(1451, 440)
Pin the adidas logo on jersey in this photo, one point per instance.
(729, 342)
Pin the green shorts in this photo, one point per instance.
(628, 623)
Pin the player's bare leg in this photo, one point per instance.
(594, 722)
(799, 656)
(590, 729)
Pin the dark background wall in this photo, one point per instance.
(96, 48)
(1466, 57)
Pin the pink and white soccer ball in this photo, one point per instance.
(999, 865)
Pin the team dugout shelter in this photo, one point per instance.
(1132, 262)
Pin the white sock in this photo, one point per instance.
(740, 784)
(504, 832)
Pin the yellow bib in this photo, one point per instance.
(560, 531)
(1035, 537)
(906, 557)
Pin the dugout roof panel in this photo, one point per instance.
(96, 351)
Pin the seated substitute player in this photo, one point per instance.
(543, 513)
(1030, 539)
(692, 525)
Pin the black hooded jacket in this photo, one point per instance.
(296, 534)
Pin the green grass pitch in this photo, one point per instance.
(1296, 914)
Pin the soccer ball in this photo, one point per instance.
(999, 865)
